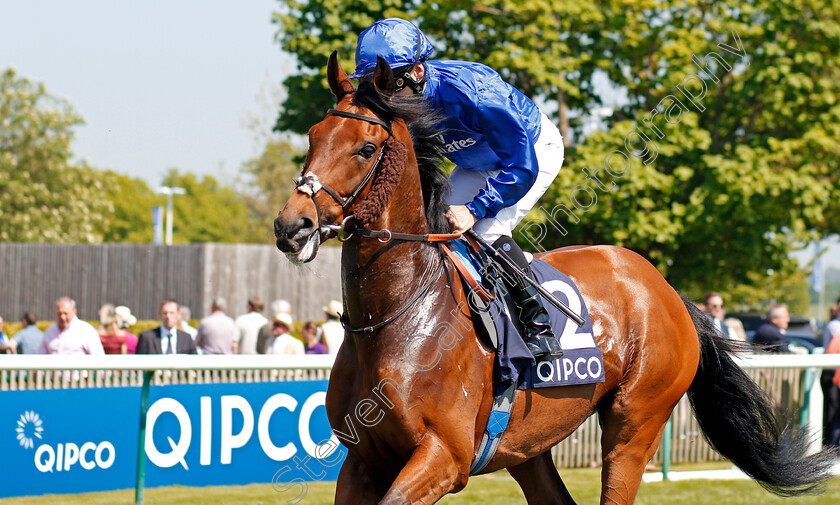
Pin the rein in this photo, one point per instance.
(345, 322)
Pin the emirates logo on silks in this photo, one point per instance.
(29, 427)
(457, 145)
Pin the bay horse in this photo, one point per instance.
(411, 408)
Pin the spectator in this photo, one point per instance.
(110, 334)
(736, 329)
(167, 338)
(127, 320)
(333, 331)
(772, 333)
(215, 332)
(713, 306)
(284, 343)
(266, 335)
(6, 344)
(104, 311)
(69, 334)
(29, 339)
(184, 324)
(831, 391)
(248, 327)
(833, 327)
(312, 339)
(281, 305)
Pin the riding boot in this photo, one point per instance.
(538, 335)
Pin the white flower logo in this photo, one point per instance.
(29, 426)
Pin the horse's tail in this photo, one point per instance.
(738, 420)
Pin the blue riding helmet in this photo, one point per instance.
(396, 40)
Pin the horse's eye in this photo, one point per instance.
(367, 150)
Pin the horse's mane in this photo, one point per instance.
(425, 137)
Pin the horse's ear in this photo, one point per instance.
(339, 83)
(383, 77)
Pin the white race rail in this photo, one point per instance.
(168, 362)
(33, 372)
(282, 367)
(306, 361)
(789, 361)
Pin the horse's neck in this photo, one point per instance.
(379, 278)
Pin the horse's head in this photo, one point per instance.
(355, 160)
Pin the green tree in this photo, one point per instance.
(44, 197)
(270, 183)
(132, 201)
(210, 212)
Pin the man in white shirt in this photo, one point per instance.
(248, 328)
(333, 331)
(284, 343)
(69, 334)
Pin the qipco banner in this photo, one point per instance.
(81, 440)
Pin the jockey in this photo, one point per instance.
(506, 151)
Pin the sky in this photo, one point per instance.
(160, 84)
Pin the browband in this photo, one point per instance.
(369, 119)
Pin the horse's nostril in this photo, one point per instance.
(306, 224)
(302, 228)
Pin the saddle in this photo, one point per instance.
(492, 312)
(494, 317)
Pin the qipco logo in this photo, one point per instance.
(64, 456)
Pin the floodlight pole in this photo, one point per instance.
(169, 191)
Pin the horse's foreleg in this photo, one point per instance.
(540, 481)
(429, 474)
(355, 485)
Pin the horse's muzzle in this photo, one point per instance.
(299, 239)
(292, 236)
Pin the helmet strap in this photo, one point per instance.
(405, 79)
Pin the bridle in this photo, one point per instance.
(310, 184)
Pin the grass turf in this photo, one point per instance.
(495, 489)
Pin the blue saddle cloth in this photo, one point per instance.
(582, 362)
